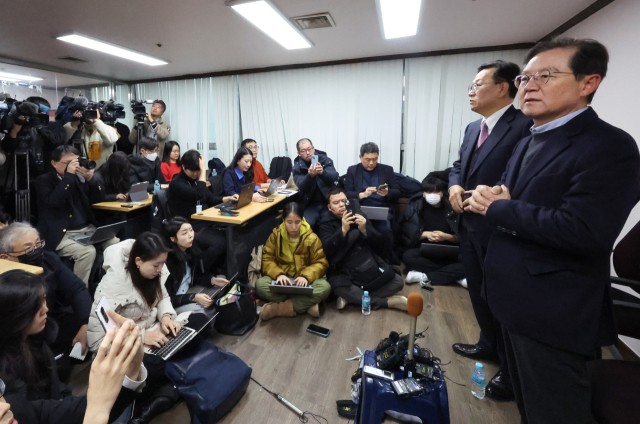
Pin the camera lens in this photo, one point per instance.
(87, 163)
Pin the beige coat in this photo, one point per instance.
(103, 133)
(124, 299)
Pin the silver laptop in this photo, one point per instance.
(245, 197)
(273, 187)
(213, 291)
(293, 289)
(177, 342)
(291, 184)
(98, 235)
(138, 192)
(375, 213)
(439, 251)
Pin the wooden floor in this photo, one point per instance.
(311, 371)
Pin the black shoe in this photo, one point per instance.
(500, 388)
(473, 351)
(156, 407)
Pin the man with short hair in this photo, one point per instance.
(146, 166)
(560, 205)
(374, 184)
(485, 150)
(65, 198)
(351, 243)
(314, 181)
(93, 132)
(20, 242)
(154, 127)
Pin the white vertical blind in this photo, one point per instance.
(338, 107)
(436, 108)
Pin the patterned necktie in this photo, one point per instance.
(484, 133)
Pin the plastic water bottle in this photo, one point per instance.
(214, 172)
(478, 381)
(156, 186)
(366, 303)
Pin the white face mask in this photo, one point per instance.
(152, 156)
(432, 198)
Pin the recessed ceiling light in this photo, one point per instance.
(6, 76)
(269, 20)
(400, 17)
(101, 46)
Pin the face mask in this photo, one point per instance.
(432, 199)
(34, 258)
(152, 156)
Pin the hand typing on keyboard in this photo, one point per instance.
(155, 339)
(169, 325)
(283, 280)
(301, 281)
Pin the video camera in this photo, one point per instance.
(111, 111)
(139, 110)
(89, 109)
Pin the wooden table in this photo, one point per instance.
(138, 218)
(6, 265)
(117, 206)
(245, 214)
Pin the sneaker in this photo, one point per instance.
(341, 303)
(462, 282)
(397, 302)
(415, 277)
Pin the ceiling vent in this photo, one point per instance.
(319, 20)
(73, 59)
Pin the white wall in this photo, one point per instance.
(21, 92)
(616, 26)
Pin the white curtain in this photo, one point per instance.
(436, 108)
(338, 107)
(203, 113)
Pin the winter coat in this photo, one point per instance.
(177, 268)
(308, 184)
(143, 169)
(103, 133)
(412, 223)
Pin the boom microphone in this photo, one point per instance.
(414, 307)
(80, 102)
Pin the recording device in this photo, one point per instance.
(320, 331)
(111, 111)
(406, 388)
(105, 319)
(87, 163)
(414, 308)
(89, 109)
(139, 110)
(378, 373)
(314, 160)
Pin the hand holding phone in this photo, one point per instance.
(314, 160)
(383, 186)
(106, 321)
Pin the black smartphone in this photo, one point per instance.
(353, 206)
(320, 331)
(383, 186)
(128, 205)
(466, 195)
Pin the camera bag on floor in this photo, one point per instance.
(236, 318)
(210, 379)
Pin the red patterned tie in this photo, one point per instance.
(484, 133)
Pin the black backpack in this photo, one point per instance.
(159, 210)
(280, 166)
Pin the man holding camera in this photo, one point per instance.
(98, 137)
(154, 127)
(67, 198)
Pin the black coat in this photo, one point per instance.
(177, 268)
(308, 184)
(547, 266)
(105, 196)
(512, 127)
(185, 192)
(412, 220)
(54, 196)
(142, 170)
(353, 182)
(48, 137)
(67, 289)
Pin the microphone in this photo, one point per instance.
(414, 307)
(81, 102)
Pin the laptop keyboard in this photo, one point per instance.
(211, 292)
(174, 343)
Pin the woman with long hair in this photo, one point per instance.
(113, 177)
(27, 365)
(171, 164)
(240, 172)
(293, 255)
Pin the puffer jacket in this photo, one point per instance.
(124, 299)
(412, 224)
(310, 260)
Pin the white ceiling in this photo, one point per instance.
(199, 36)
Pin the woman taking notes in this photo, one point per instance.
(240, 172)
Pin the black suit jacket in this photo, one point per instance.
(512, 127)
(547, 267)
(353, 182)
(54, 202)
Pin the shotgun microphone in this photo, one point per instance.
(414, 307)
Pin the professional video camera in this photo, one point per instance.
(139, 110)
(111, 111)
(89, 109)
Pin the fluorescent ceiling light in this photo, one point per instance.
(400, 17)
(16, 77)
(269, 20)
(101, 46)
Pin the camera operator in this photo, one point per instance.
(67, 198)
(93, 131)
(154, 127)
(41, 139)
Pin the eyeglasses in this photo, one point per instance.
(474, 87)
(305, 151)
(2, 388)
(253, 147)
(540, 78)
(28, 250)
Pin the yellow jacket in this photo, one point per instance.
(309, 258)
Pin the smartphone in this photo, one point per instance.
(378, 373)
(270, 199)
(314, 160)
(104, 318)
(383, 186)
(126, 205)
(320, 331)
(466, 195)
(353, 206)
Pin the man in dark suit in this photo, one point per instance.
(485, 151)
(563, 200)
(364, 181)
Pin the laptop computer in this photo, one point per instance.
(375, 213)
(293, 289)
(177, 342)
(99, 235)
(439, 251)
(138, 192)
(291, 184)
(273, 187)
(214, 292)
(246, 195)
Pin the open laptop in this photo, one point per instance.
(375, 213)
(99, 235)
(273, 187)
(439, 251)
(214, 292)
(177, 342)
(246, 195)
(293, 289)
(291, 184)
(138, 192)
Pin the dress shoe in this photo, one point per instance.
(500, 388)
(473, 351)
(156, 407)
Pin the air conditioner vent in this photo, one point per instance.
(73, 59)
(319, 20)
